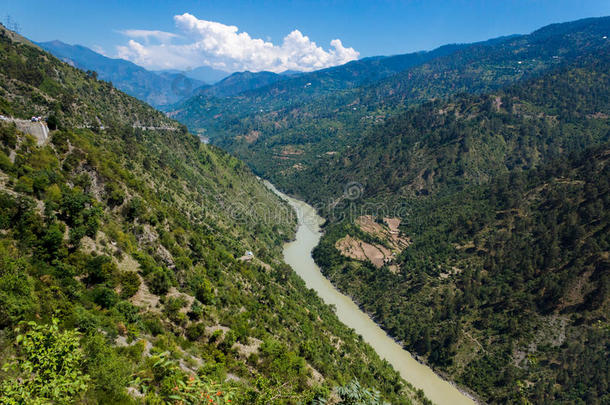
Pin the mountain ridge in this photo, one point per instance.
(145, 85)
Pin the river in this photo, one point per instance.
(298, 255)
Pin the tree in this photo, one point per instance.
(47, 367)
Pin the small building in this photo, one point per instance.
(247, 256)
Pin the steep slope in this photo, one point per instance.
(279, 131)
(134, 80)
(131, 234)
(475, 230)
(470, 139)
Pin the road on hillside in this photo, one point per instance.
(38, 130)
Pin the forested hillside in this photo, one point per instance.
(470, 139)
(122, 276)
(280, 130)
(503, 202)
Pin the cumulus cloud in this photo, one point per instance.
(223, 47)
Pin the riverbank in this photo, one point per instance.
(298, 255)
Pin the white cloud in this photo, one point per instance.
(161, 36)
(224, 47)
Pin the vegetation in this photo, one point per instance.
(120, 239)
(505, 199)
(296, 124)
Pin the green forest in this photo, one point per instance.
(140, 265)
(505, 199)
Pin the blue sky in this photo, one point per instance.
(203, 35)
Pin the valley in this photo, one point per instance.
(297, 254)
(427, 227)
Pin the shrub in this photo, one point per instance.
(130, 284)
(134, 209)
(195, 331)
(204, 292)
(159, 281)
(104, 297)
(25, 185)
(16, 288)
(114, 194)
(5, 162)
(153, 325)
(48, 367)
(101, 269)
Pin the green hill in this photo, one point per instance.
(500, 275)
(121, 270)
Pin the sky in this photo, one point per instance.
(279, 35)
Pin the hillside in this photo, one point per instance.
(279, 131)
(122, 276)
(485, 248)
(150, 87)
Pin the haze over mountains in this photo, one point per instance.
(156, 88)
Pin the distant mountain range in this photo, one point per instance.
(163, 87)
(155, 88)
(205, 74)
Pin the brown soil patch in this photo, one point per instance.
(252, 136)
(291, 150)
(388, 231)
(377, 253)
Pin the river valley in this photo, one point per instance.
(298, 255)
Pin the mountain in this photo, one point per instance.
(134, 80)
(122, 269)
(203, 73)
(290, 125)
(475, 230)
(299, 87)
(240, 82)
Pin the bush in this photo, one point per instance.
(104, 297)
(195, 331)
(16, 288)
(110, 372)
(5, 162)
(134, 209)
(101, 269)
(159, 281)
(114, 194)
(48, 366)
(153, 325)
(25, 185)
(204, 292)
(130, 284)
(128, 311)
